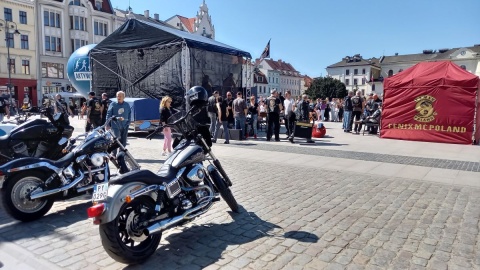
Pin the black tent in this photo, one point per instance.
(147, 59)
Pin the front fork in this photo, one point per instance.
(126, 152)
(217, 164)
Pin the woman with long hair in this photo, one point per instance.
(165, 113)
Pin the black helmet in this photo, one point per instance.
(197, 95)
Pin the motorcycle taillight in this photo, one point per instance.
(96, 210)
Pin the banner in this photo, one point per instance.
(434, 108)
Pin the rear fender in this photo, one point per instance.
(116, 199)
(23, 164)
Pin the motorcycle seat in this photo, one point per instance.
(63, 162)
(146, 176)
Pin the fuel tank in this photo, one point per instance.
(37, 129)
(94, 145)
(191, 154)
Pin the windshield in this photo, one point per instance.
(184, 126)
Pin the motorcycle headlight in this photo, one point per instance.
(97, 159)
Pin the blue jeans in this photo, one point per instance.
(240, 124)
(347, 124)
(254, 123)
(213, 122)
(225, 130)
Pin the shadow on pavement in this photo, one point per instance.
(199, 246)
(50, 225)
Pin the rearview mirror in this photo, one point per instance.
(145, 125)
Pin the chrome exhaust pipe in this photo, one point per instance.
(57, 190)
(163, 225)
(189, 214)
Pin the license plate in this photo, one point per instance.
(100, 192)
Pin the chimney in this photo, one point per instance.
(280, 60)
(147, 13)
(156, 16)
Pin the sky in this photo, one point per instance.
(313, 34)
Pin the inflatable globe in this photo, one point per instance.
(78, 69)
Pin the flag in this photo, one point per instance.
(266, 51)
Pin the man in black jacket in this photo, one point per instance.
(274, 107)
(212, 111)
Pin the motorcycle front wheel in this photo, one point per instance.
(15, 201)
(224, 190)
(123, 239)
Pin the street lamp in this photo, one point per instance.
(7, 25)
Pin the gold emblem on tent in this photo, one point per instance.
(424, 108)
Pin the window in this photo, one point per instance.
(7, 13)
(11, 65)
(400, 70)
(52, 70)
(24, 41)
(260, 79)
(277, 80)
(463, 67)
(347, 82)
(75, 3)
(23, 17)
(10, 40)
(355, 82)
(53, 44)
(26, 67)
(100, 29)
(355, 71)
(363, 81)
(390, 73)
(347, 72)
(78, 23)
(98, 4)
(77, 43)
(373, 87)
(51, 19)
(363, 71)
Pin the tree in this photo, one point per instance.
(324, 87)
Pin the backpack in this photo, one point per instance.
(211, 107)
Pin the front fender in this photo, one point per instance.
(116, 199)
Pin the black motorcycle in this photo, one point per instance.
(29, 186)
(38, 137)
(134, 209)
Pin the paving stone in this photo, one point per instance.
(419, 261)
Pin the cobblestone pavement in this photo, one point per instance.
(397, 159)
(291, 218)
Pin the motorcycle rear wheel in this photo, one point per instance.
(122, 241)
(225, 191)
(14, 197)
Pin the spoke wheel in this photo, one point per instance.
(123, 238)
(15, 197)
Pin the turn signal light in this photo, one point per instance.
(96, 210)
(128, 199)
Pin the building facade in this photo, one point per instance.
(22, 47)
(357, 73)
(281, 76)
(63, 27)
(201, 24)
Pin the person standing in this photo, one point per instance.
(165, 113)
(347, 112)
(289, 115)
(212, 111)
(253, 110)
(122, 111)
(229, 100)
(222, 110)
(318, 109)
(240, 112)
(64, 105)
(274, 106)
(357, 102)
(94, 112)
(4, 110)
(105, 104)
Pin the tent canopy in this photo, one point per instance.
(135, 34)
(431, 101)
(428, 74)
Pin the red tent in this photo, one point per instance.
(431, 101)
